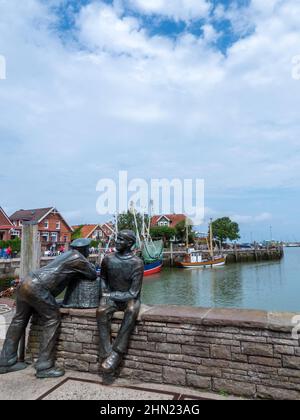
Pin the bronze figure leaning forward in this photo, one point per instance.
(121, 283)
(37, 293)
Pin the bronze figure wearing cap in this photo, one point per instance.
(37, 293)
(121, 282)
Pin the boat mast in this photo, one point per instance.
(136, 225)
(150, 215)
(117, 224)
(211, 239)
(144, 227)
(187, 232)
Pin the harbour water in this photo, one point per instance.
(272, 286)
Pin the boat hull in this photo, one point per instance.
(153, 268)
(204, 264)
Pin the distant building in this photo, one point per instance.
(108, 230)
(168, 220)
(6, 227)
(89, 231)
(95, 232)
(54, 231)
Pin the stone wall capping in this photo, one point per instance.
(80, 313)
(175, 314)
(91, 313)
(275, 321)
(236, 317)
(281, 321)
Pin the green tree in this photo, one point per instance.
(180, 230)
(163, 232)
(15, 244)
(95, 244)
(224, 229)
(126, 221)
(77, 233)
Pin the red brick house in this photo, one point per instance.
(6, 227)
(53, 229)
(96, 232)
(168, 220)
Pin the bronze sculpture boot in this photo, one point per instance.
(112, 362)
(50, 373)
(13, 368)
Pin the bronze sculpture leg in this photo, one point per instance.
(32, 296)
(49, 315)
(114, 353)
(9, 354)
(130, 316)
(104, 316)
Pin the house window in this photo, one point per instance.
(65, 239)
(46, 224)
(15, 233)
(54, 237)
(57, 225)
(20, 223)
(164, 223)
(45, 237)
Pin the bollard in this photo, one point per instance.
(30, 261)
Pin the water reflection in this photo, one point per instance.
(273, 285)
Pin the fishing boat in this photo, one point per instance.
(152, 255)
(152, 251)
(153, 268)
(194, 259)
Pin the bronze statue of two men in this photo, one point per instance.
(121, 283)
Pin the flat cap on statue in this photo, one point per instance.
(128, 234)
(81, 243)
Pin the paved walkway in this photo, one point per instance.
(6, 301)
(81, 386)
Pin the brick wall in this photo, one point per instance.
(246, 353)
(4, 220)
(64, 230)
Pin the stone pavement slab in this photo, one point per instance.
(83, 386)
(76, 389)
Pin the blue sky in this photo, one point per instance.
(161, 88)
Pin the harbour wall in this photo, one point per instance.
(232, 256)
(11, 268)
(246, 353)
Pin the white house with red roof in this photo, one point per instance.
(95, 232)
(168, 220)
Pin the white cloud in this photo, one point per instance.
(209, 33)
(102, 27)
(244, 219)
(158, 107)
(185, 10)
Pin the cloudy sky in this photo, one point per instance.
(160, 88)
